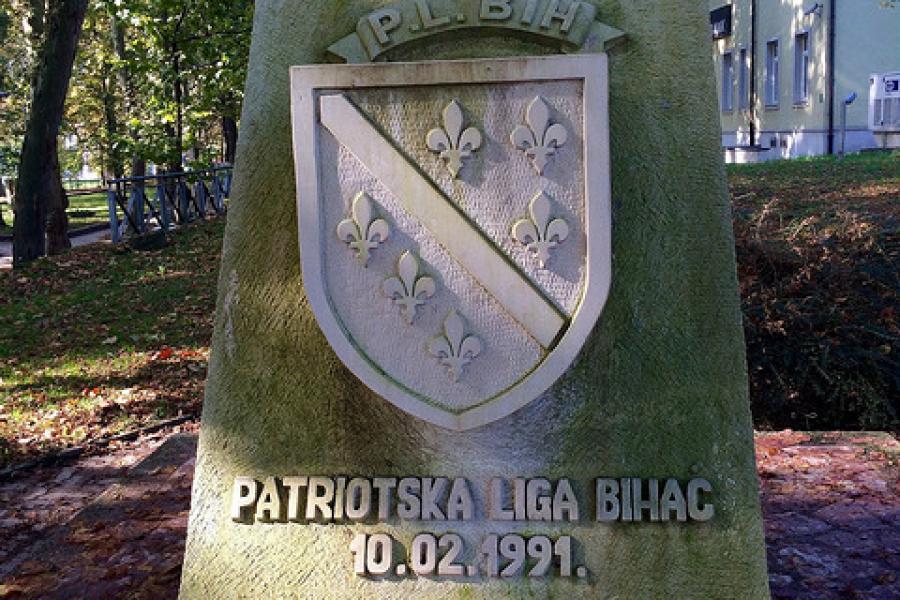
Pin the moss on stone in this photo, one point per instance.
(659, 390)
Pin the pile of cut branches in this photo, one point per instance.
(819, 263)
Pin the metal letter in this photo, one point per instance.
(672, 499)
(697, 511)
(565, 501)
(608, 506)
(519, 499)
(383, 21)
(652, 501)
(490, 8)
(459, 503)
(538, 499)
(528, 13)
(567, 18)
(293, 486)
(338, 505)
(408, 505)
(268, 508)
(244, 496)
(359, 499)
(384, 485)
(432, 490)
(627, 514)
(497, 511)
(427, 19)
(319, 496)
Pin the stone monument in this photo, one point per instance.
(505, 357)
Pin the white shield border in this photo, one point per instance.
(592, 70)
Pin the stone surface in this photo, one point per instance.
(658, 391)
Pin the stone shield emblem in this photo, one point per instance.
(454, 223)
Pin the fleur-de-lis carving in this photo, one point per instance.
(453, 142)
(455, 349)
(539, 233)
(363, 232)
(408, 290)
(540, 139)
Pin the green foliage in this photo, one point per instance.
(17, 54)
(199, 46)
(123, 101)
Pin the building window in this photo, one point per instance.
(744, 80)
(728, 82)
(772, 91)
(801, 68)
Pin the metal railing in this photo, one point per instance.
(178, 198)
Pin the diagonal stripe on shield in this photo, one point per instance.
(454, 225)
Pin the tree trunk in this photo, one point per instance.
(126, 85)
(230, 135)
(37, 22)
(177, 160)
(176, 132)
(116, 162)
(57, 219)
(138, 166)
(3, 194)
(39, 187)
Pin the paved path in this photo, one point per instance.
(77, 240)
(831, 505)
(108, 526)
(830, 502)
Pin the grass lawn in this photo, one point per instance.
(83, 211)
(100, 340)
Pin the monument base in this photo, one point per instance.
(632, 476)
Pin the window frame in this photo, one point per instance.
(728, 81)
(802, 61)
(743, 80)
(772, 84)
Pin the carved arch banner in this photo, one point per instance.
(570, 25)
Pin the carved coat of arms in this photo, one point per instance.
(455, 224)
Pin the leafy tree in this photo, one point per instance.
(187, 66)
(40, 199)
(155, 81)
(17, 59)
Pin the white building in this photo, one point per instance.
(785, 68)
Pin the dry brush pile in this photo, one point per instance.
(818, 256)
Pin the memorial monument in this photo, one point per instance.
(478, 332)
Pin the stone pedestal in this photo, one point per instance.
(656, 396)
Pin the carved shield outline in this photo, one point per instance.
(306, 84)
